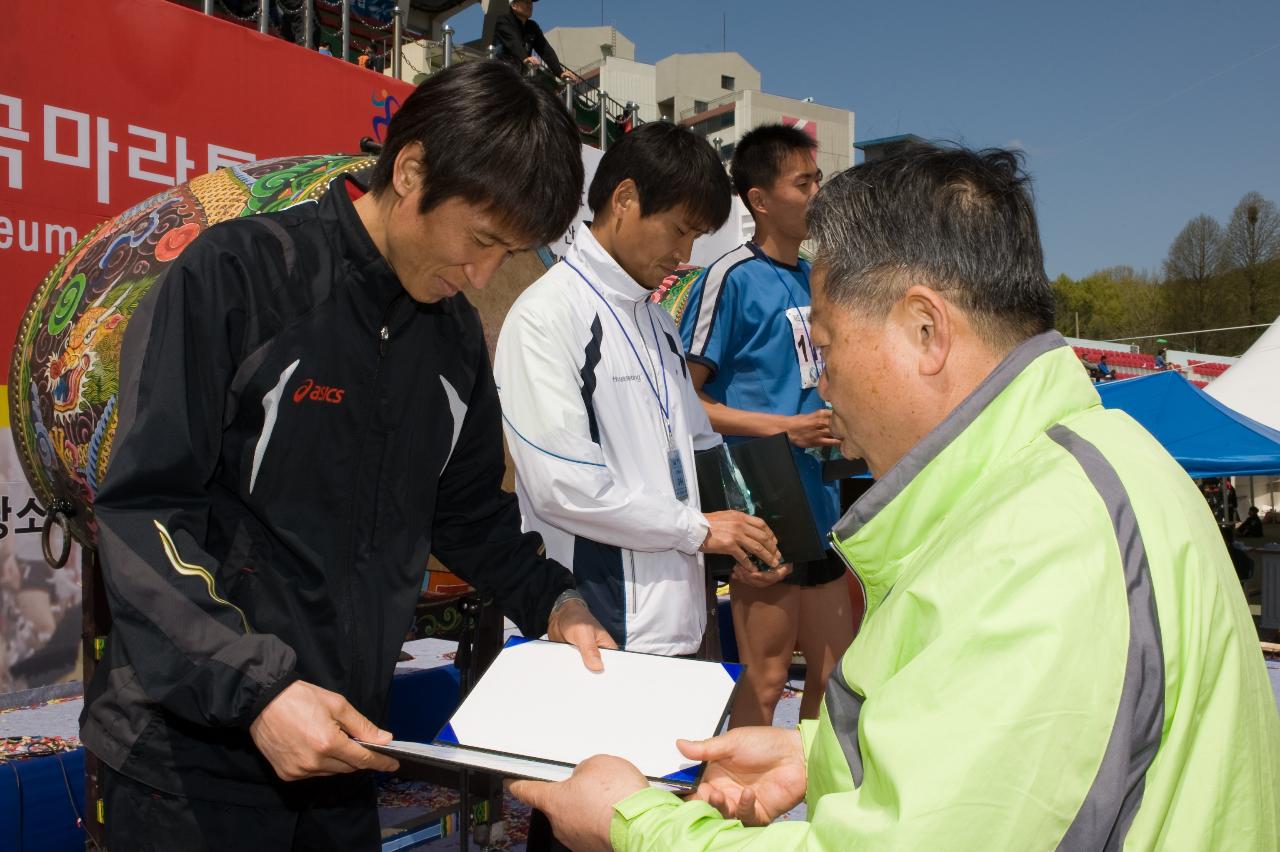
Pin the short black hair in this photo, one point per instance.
(493, 139)
(759, 156)
(962, 220)
(672, 167)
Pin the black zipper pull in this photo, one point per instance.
(384, 340)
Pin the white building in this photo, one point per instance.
(730, 117)
(625, 80)
(717, 95)
(690, 82)
(579, 47)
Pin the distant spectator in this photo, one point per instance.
(1233, 513)
(1104, 369)
(518, 38)
(379, 63)
(324, 50)
(1089, 367)
(364, 58)
(1250, 527)
(1161, 364)
(1212, 491)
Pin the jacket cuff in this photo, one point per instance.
(696, 533)
(269, 693)
(808, 732)
(561, 582)
(638, 803)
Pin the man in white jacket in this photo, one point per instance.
(599, 412)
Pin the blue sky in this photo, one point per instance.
(1135, 115)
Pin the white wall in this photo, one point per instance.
(1099, 344)
(590, 159)
(834, 126)
(1260, 491)
(627, 80)
(687, 77)
(580, 46)
(1178, 356)
(737, 229)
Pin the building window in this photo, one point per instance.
(699, 106)
(727, 83)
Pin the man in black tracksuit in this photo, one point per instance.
(307, 412)
(518, 38)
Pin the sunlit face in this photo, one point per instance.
(454, 246)
(650, 248)
(787, 200)
(860, 380)
(523, 9)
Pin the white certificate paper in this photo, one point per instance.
(538, 702)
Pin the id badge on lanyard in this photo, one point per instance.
(676, 467)
(807, 359)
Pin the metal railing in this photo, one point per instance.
(600, 118)
(607, 116)
(437, 54)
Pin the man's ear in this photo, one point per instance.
(930, 327)
(410, 170)
(755, 200)
(624, 200)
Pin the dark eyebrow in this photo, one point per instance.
(686, 225)
(495, 238)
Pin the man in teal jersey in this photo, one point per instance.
(1056, 652)
(751, 357)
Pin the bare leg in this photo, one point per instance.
(765, 622)
(826, 627)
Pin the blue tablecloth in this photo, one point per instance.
(41, 802)
(38, 815)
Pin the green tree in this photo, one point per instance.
(1195, 258)
(1252, 242)
(1110, 303)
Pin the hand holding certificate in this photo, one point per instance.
(537, 713)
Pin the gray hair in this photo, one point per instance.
(956, 220)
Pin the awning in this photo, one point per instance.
(1206, 437)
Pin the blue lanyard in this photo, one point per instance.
(808, 338)
(666, 391)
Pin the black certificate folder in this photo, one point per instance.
(760, 477)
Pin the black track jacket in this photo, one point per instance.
(296, 435)
(518, 40)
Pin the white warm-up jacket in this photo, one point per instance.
(590, 445)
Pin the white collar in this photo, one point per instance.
(601, 270)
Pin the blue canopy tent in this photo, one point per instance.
(1207, 438)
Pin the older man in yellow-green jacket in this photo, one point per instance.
(1056, 652)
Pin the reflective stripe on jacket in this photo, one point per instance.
(296, 436)
(1056, 652)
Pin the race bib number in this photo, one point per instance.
(807, 357)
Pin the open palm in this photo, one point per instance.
(753, 774)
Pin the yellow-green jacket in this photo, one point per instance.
(1056, 652)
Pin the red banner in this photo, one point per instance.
(106, 102)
